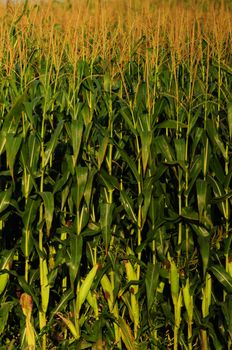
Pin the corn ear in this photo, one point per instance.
(45, 288)
(174, 281)
(230, 267)
(85, 287)
(108, 290)
(131, 274)
(206, 293)
(26, 303)
(135, 310)
(188, 300)
(178, 310)
(127, 335)
(30, 335)
(69, 324)
(92, 300)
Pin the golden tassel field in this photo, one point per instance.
(115, 175)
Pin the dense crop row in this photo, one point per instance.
(115, 176)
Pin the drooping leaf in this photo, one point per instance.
(222, 276)
(128, 205)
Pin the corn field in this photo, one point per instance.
(115, 175)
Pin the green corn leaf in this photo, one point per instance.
(76, 244)
(109, 181)
(130, 162)
(147, 194)
(229, 118)
(33, 151)
(107, 82)
(76, 137)
(11, 120)
(189, 215)
(12, 147)
(128, 205)
(102, 150)
(194, 172)
(217, 168)
(89, 186)
(5, 309)
(215, 338)
(223, 277)
(106, 217)
(193, 119)
(227, 312)
(214, 136)
(126, 115)
(27, 242)
(196, 138)
(66, 297)
(151, 283)
(5, 262)
(201, 186)
(221, 198)
(6, 258)
(218, 192)
(203, 237)
(48, 200)
(30, 212)
(180, 149)
(81, 177)
(27, 288)
(2, 141)
(5, 197)
(164, 147)
(180, 164)
(61, 181)
(29, 157)
(52, 143)
(146, 139)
